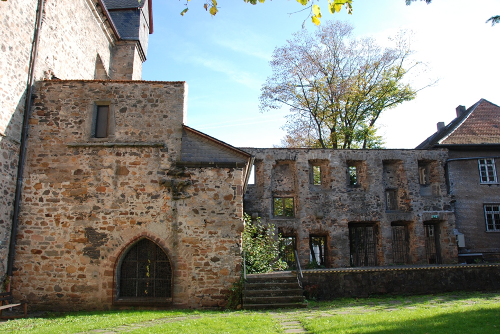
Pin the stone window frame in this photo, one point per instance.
(423, 174)
(316, 173)
(487, 171)
(492, 214)
(323, 254)
(110, 126)
(358, 168)
(283, 200)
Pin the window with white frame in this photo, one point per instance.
(487, 172)
(492, 216)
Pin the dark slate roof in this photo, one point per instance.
(124, 4)
(126, 8)
(127, 22)
(480, 124)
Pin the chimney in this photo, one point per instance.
(460, 110)
(441, 125)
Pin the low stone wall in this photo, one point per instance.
(329, 284)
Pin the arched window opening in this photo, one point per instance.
(145, 273)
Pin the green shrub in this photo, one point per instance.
(261, 246)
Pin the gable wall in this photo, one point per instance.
(85, 199)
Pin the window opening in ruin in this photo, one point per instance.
(353, 175)
(251, 178)
(487, 170)
(145, 272)
(423, 174)
(288, 245)
(391, 199)
(101, 122)
(316, 175)
(317, 248)
(362, 245)
(283, 207)
(400, 244)
(431, 233)
(492, 215)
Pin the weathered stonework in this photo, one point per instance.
(87, 200)
(412, 280)
(334, 207)
(76, 41)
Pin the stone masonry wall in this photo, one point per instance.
(87, 200)
(72, 35)
(330, 208)
(332, 284)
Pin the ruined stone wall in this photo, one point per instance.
(72, 35)
(331, 208)
(87, 200)
(470, 196)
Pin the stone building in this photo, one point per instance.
(78, 39)
(342, 208)
(148, 212)
(473, 142)
(123, 204)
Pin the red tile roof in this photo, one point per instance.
(480, 124)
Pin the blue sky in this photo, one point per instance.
(225, 60)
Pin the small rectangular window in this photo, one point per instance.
(283, 207)
(492, 216)
(423, 175)
(391, 199)
(316, 175)
(101, 122)
(353, 175)
(487, 171)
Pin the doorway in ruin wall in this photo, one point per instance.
(144, 275)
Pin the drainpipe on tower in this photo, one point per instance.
(24, 138)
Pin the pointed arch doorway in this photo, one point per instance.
(144, 275)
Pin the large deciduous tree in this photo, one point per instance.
(336, 86)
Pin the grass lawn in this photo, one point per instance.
(444, 313)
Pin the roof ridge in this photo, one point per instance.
(459, 123)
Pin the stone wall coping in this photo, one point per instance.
(114, 144)
(194, 164)
(398, 268)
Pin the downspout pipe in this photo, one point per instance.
(24, 138)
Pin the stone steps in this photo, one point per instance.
(272, 290)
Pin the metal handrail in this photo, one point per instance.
(244, 267)
(300, 276)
